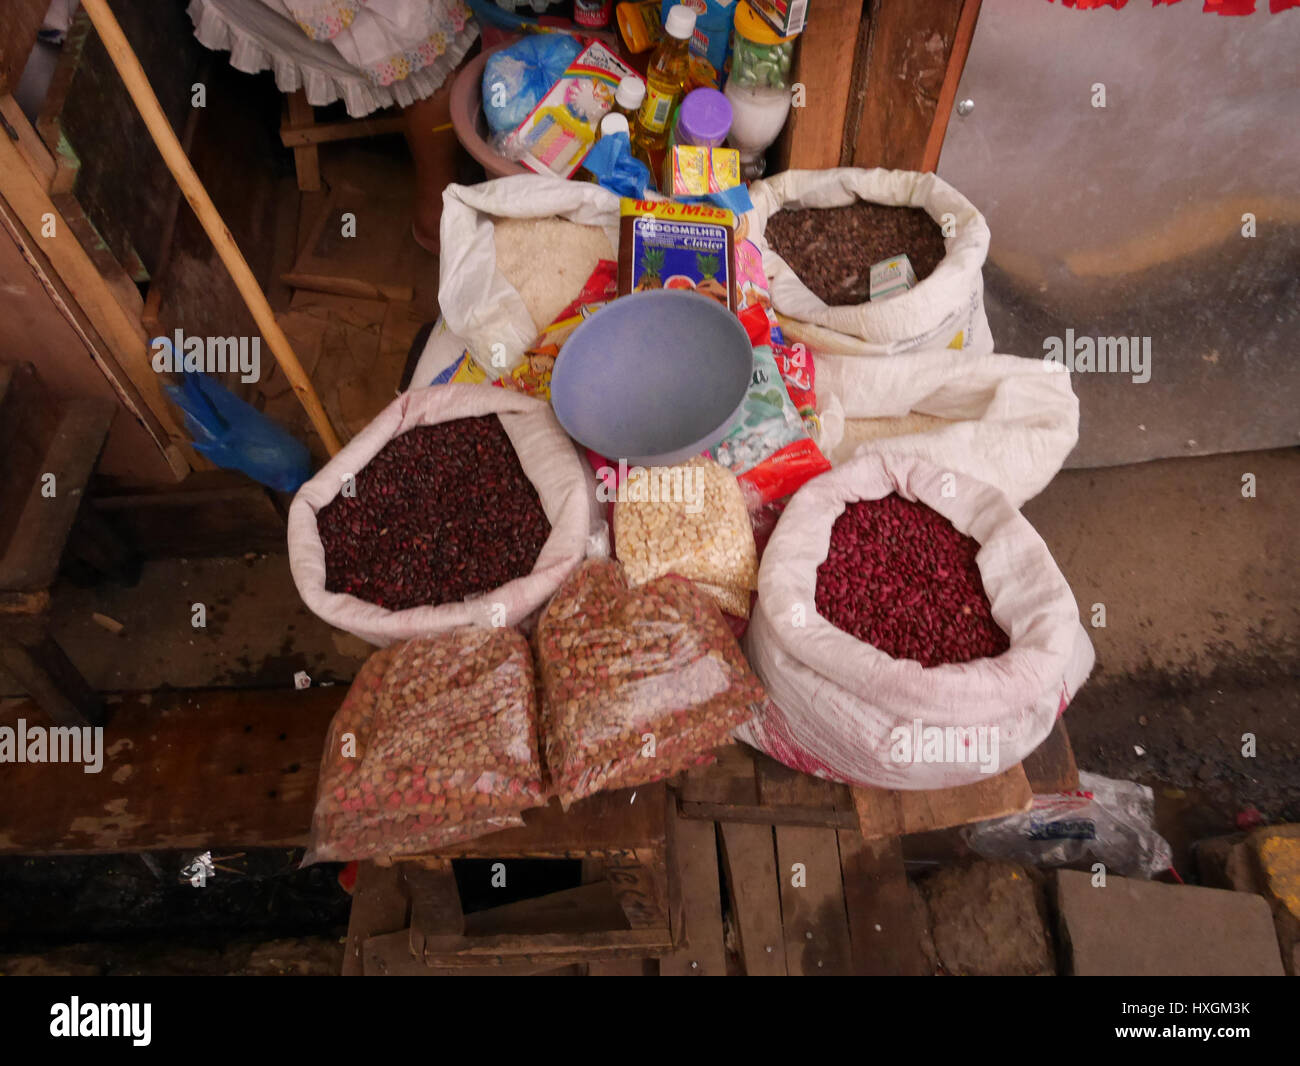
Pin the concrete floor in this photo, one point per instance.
(1189, 570)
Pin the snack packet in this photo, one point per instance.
(769, 449)
(533, 375)
(667, 245)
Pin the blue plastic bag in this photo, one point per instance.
(516, 78)
(239, 437)
(611, 162)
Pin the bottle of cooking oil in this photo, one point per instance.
(666, 77)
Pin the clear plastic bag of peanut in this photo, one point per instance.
(637, 683)
(689, 520)
(436, 742)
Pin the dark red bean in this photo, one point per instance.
(899, 576)
(441, 513)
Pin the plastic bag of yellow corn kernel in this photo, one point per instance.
(688, 520)
(435, 743)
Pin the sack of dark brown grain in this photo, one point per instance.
(832, 225)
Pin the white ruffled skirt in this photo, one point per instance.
(370, 54)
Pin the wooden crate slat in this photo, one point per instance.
(390, 956)
(812, 912)
(694, 855)
(753, 887)
(542, 948)
(885, 813)
(1051, 767)
(605, 822)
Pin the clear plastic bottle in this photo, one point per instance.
(666, 77)
(758, 88)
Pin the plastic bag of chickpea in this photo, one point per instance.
(435, 743)
(637, 683)
(689, 520)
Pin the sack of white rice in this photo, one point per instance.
(515, 252)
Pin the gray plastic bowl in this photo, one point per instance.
(654, 377)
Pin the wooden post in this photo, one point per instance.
(137, 84)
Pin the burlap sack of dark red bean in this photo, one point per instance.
(637, 684)
(436, 742)
(891, 592)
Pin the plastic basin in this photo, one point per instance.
(654, 377)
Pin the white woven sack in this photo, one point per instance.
(945, 309)
(836, 701)
(477, 301)
(547, 456)
(1013, 421)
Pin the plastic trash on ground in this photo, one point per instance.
(1106, 821)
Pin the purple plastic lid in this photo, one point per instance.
(704, 118)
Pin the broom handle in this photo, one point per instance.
(137, 84)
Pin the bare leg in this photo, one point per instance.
(434, 151)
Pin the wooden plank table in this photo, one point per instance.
(201, 768)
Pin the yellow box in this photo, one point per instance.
(692, 171)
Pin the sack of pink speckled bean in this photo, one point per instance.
(436, 742)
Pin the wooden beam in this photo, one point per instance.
(814, 134)
(30, 205)
(30, 146)
(813, 916)
(698, 907)
(299, 136)
(306, 160)
(620, 821)
(885, 813)
(556, 949)
(886, 941)
(435, 903)
(1050, 767)
(909, 49)
(753, 888)
(174, 157)
(770, 814)
(970, 12)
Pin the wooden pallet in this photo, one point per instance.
(813, 872)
